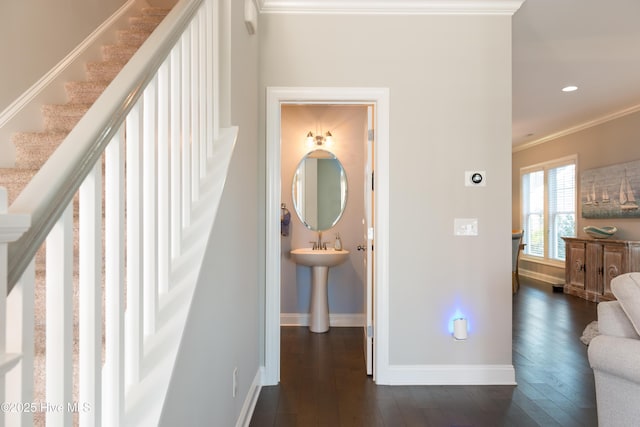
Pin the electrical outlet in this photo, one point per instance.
(235, 382)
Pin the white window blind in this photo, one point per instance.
(533, 212)
(548, 200)
(562, 208)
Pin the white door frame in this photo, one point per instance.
(276, 96)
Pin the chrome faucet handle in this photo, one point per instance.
(315, 245)
(324, 246)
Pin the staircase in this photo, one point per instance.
(33, 149)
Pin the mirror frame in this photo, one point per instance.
(343, 182)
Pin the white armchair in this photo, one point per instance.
(614, 355)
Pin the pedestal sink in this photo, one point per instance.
(319, 260)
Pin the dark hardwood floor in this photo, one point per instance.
(323, 381)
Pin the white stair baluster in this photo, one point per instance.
(113, 371)
(59, 341)
(149, 211)
(195, 113)
(202, 92)
(20, 339)
(90, 299)
(164, 211)
(11, 228)
(186, 129)
(133, 316)
(215, 72)
(176, 162)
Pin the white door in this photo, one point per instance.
(367, 247)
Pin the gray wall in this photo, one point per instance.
(450, 110)
(348, 125)
(222, 330)
(606, 144)
(37, 34)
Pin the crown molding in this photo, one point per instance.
(578, 128)
(391, 7)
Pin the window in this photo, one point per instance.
(548, 196)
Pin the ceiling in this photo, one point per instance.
(592, 44)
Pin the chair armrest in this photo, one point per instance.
(616, 356)
(613, 321)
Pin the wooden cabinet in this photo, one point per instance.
(591, 264)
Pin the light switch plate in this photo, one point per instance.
(475, 178)
(465, 226)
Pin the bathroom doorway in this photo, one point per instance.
(374, 102)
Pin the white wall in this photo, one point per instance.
(348, 125)
(222, 331)
(450, 110)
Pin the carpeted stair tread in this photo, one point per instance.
(145, 23)
(132, 37)
(62, 117)
(14, 180)
(85, 92)
(34, 148)
(155, 11)
(103, 71)
(118, 52)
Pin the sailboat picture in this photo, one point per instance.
(627, 199)
(610, 191)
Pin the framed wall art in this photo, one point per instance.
(611, 191)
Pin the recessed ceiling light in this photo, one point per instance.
(569, 88)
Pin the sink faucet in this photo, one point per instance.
(319, 245)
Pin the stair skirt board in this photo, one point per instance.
(340, 320)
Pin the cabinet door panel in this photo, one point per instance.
(575, 265)
(593, 284)
(614, 264)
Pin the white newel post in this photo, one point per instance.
(11, 228)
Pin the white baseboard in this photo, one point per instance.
(249, 405)
(547, 278)
(450, 375)
(336, 320)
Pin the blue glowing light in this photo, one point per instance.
(457, 314)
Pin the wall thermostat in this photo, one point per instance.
(475, 178)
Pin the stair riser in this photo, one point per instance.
(14, 180)
(34, 148)
(120, 53)
(132, 38)
(83, 92)
(155, 11)
(57, 122)
(103, 71)
(144, 23)
(33, 155)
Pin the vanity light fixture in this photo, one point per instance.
(319, 140)
(570, 88)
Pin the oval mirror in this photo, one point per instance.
(319, 190)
